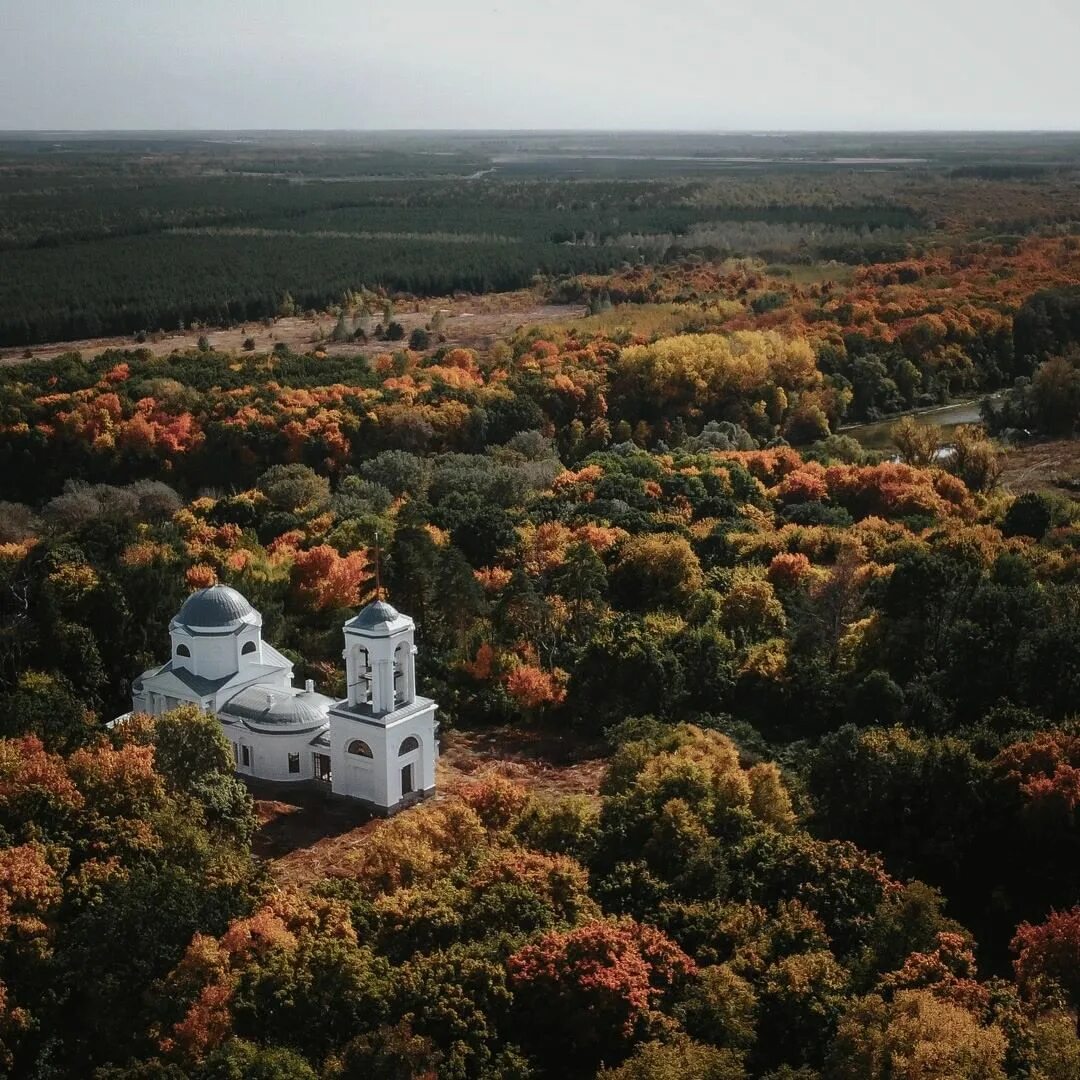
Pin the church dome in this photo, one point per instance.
(378, 615)
(216, 606)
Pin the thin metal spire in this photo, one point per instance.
(378, 573)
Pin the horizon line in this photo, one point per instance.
(542, 131)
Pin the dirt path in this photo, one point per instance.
(473, 322)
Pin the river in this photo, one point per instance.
(878, 435)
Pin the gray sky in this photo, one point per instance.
(540, 64)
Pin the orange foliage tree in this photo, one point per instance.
(326, 581)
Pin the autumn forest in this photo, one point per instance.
(598, 408)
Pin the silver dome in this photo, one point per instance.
(218, 605)
(377, 615)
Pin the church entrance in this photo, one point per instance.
(321, 763)
(407, 781)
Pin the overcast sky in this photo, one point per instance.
(687, 64)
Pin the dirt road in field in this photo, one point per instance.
(472, 322)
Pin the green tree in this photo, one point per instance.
(400, 472)
(582, 581)
(46, 705)
(720, 1008)
(801, 999)
(656, 571)
(189, 746)
(459, 1000)
(239, 1060)
(314, 998)
(1028, 515)
(294, 488)
(1055, 388)
(341, 329)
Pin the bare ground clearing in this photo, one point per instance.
(1053, 465)
(306, 837)
(473, 322)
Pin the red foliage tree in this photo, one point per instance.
(1048, 955)
(592, 991)
(29, 890)
(1045, 769)
(37, 796)
(201, 576)
(948, 970)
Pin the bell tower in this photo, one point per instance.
(382, 735)
(380, 664)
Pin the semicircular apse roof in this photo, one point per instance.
(273, 709)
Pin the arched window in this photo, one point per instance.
(182, 650)
(408, 746)
(363, 674)
(249, 647)
(401, 673)
(360, 748)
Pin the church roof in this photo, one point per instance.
(378, 616)
(159, 680)
(164, 678)
(276, 709)
(217, 606)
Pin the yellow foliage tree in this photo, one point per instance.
(694, 374)
(917, 1036)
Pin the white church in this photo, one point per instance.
(377, 745)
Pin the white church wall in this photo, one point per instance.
(421, 727)
(155, 703)
(213, 656)
(355, 774)
(182, 652)
(268, 756)
(249, 649)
